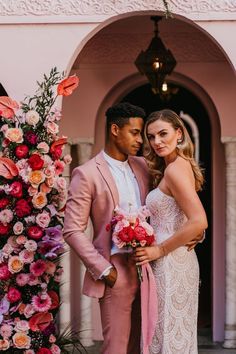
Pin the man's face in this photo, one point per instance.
(129, 138)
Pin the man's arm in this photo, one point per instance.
(76, 219)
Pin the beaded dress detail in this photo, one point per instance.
(177, 282)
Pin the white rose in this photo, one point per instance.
(32, 118)
(43, 147)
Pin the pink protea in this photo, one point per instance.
(38, 268)
(41, 303)
(13, 295)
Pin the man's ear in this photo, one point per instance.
(114, 129)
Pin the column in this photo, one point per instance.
(65, 289)
(230, 319)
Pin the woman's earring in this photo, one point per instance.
(179, 142)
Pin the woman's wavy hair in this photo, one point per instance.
(184, 149)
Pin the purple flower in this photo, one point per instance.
(51, 329)
(50, 248)
(4, 306)
(54, 233)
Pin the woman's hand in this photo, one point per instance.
(144, 255)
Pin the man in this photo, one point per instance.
(114, 177)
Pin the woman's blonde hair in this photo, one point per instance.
(184, 149)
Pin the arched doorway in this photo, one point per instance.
(184, 100)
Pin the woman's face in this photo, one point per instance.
(163, 138)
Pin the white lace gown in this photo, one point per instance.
(177, 282)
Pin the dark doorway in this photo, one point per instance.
(2, 91)
(181, 99)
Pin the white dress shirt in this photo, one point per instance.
(128, 190)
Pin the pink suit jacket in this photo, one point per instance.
(93, 193)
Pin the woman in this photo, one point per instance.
(177, 217)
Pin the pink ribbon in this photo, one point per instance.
(148, 306)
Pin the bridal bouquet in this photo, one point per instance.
(131, 230)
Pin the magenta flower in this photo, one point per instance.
(4, 272)
(41, 303)
(38, 268)
(13, 295)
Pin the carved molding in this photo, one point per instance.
(25, 11)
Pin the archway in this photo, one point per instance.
(114, 85)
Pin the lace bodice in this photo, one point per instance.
(166, 215)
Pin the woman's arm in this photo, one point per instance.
(180, 183)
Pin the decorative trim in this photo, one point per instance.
(228, 139)
(60, 11)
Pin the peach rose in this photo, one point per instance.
(15, 264)
(4, 344)
(15, 135)
(21, 340)
(50, 182)
(36, 177)
(39, 200)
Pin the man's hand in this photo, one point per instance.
(110, 279)
(199, 239)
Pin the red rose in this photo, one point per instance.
(21, 151)
(16, 190)
(4, 272)
(35, 232)
(35, 162)
(140, 233)
(22, 208)
(3, 203)
(126, 234)
(4, 229)
(13, 295)
(44, 351)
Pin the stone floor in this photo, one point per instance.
(215, 348)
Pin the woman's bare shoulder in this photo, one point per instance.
(179, 172)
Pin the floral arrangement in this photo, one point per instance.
(32, 200)
(131, 230)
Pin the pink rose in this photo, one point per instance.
(52, 128)
(43, 219)
(18, 228)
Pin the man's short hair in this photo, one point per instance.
(120, 114)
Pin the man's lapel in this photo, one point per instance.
(139, 176)
(107, 176)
